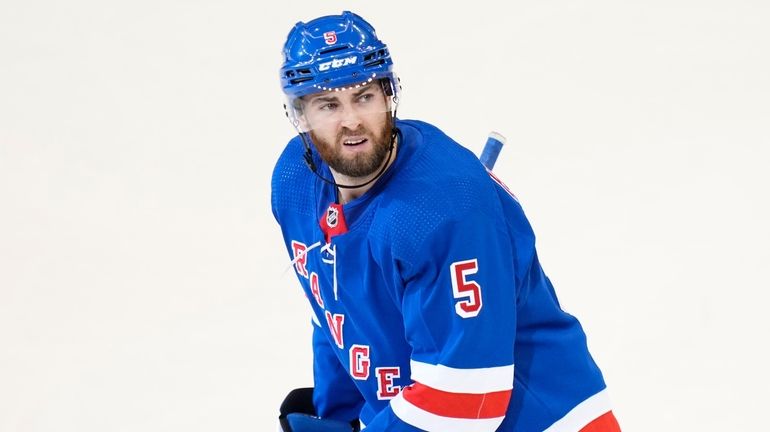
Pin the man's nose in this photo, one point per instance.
(351, 119)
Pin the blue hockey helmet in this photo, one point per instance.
(332, 53)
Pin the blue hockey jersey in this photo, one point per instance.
(428, 295)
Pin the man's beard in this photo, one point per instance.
(361, 164)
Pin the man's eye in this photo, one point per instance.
(331, 106)
(365, 97)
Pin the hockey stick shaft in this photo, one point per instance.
(491, 150)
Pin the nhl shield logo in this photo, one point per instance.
(332, 216)
(332, 221)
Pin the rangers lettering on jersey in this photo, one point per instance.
(315, 289)
(359, 362)
(385, 387)
(335, 326)
(300, 257)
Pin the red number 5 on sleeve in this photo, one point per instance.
(467, 292)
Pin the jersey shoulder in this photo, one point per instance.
(441, 175)
(438, 163)
(440, 184)
(444, 189)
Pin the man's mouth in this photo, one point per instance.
(354, 141)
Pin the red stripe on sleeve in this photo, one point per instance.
(458, 405)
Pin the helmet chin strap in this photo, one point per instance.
(308, 158)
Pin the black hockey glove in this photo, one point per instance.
(298, 415)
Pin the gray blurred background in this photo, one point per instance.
(142, 276)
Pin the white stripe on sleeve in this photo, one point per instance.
(445, 378)
(585, 412)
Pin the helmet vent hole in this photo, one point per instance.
(369, 57)
(333, 49)
(374, 63)
(303, 71)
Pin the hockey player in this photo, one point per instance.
(430, 308)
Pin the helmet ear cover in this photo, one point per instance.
(387, 86)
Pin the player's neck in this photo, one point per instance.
(345, 195)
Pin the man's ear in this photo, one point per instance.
(303, 123)
(298, 105)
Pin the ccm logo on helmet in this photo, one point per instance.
(337, 63)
